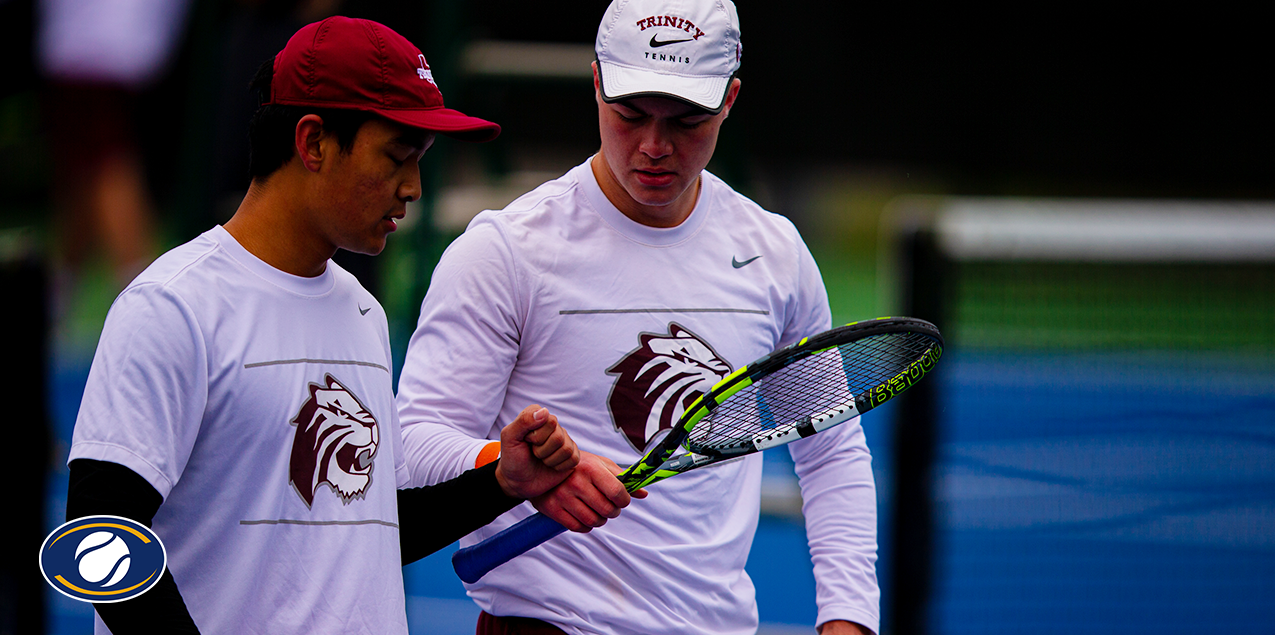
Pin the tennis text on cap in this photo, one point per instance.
(670, 20)
(664, 57)
(102, 559)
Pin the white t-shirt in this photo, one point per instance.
(260, 405)
(561, 300)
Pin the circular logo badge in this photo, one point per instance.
(102, 559)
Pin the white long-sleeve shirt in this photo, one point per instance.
(561, 300)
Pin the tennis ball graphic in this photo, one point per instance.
(102, 555)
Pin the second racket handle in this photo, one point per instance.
(473, 562)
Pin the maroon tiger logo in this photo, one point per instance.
(658, 380)
(335, 442)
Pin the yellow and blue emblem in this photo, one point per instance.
(102, 559)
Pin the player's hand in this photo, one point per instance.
(589, 497)
(535, 454)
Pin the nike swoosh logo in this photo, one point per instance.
(363, 311)
(737, 264)
(657, 44)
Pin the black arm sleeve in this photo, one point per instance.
(430, 518)
(101, 488)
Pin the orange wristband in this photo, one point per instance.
(489, 453)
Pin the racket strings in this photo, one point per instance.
(810, 386)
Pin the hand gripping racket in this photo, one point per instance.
(789, 394)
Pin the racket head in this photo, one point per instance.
(813, 385)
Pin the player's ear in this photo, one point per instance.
(308, 146)
(731, 95)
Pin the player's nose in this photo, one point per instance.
(655, 142)
(410, 189)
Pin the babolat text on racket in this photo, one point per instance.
(792, 393)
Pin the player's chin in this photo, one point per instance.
(371, 247)
(651, 196)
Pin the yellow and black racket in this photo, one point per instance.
(792, 393)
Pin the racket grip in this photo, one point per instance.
(473, 562)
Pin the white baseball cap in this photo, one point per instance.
(684, 49)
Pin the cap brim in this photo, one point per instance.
(445, 121)
(623, 82)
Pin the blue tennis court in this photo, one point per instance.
(1113, 493)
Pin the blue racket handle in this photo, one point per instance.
(473, 562)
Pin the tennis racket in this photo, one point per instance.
(792, 393)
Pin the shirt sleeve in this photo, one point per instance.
(97, 488)
(834, 469)
(435, 516)
(147, 388)
(460, 358)
(840, 507)
(808, 312)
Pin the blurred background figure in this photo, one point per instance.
(121, 83)
(97, 56)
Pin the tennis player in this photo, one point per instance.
(614, 295)
(240, 401)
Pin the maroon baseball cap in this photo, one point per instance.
(358, 64)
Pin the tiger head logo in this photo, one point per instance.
(335, 442)
(658, 380)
